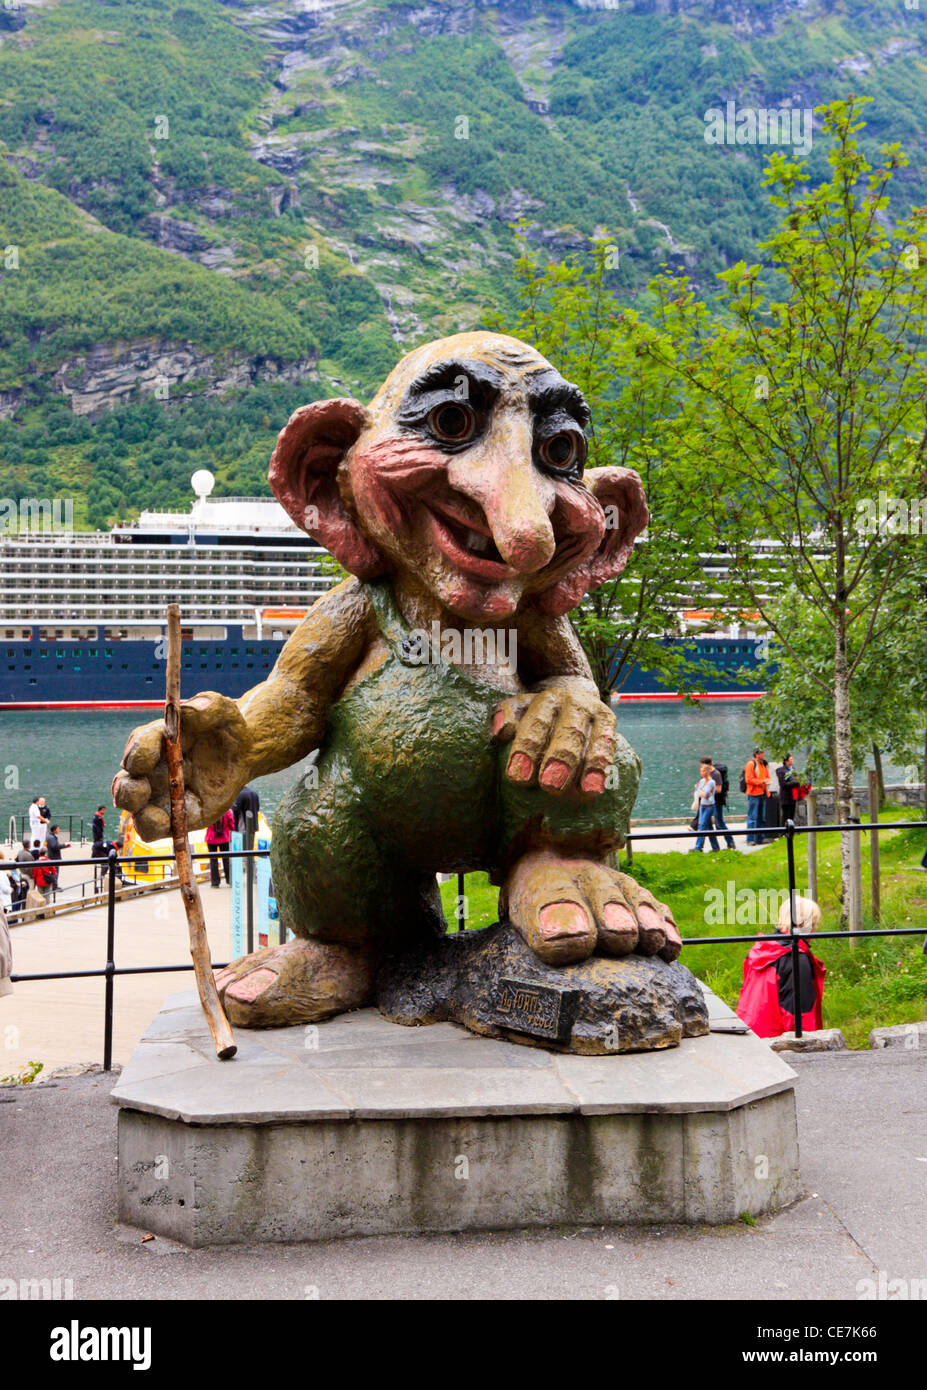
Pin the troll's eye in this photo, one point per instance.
(452, 421)
(564, 452)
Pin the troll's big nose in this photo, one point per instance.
(515, 497)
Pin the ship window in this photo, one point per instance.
(60, 667)
(76, 668)
(148, 680)
(59, 651)
(43, 655)
(32, 682)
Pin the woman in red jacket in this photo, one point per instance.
(767, 997)
(217, 838)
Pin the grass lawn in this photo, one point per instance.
(871, 983)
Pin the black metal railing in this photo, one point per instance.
(71, 817)
(789, 831)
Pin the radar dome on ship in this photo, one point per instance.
(202, 482)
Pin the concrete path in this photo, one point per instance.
(863, 1131)
(60, 1022)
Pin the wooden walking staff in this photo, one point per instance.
(199, 944)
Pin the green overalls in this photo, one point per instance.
(408, 782)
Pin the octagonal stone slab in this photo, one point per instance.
(359, 1126)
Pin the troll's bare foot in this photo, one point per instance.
(566, 908)
(300, 982)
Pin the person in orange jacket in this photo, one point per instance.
(756, 778)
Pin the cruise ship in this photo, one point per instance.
(82, 614)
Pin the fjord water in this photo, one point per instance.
(70, 757)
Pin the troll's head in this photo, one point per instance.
(467, 470)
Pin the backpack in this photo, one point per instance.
(743, 780)
(725, 783)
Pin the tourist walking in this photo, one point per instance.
(13, 884)
(100, 850)
(44, 877)
(217, 838)
(247, 802)
(756, 785)
(6, 885)
(767, 997)
(6, 956)
(722, 791)
(25, 859)
(36, 824)
(53, 848)
(705, 792)
(788, 788)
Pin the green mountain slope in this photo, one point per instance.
(208, 198)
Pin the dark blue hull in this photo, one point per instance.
(72, 674)
(727, 663)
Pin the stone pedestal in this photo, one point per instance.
(359, 1127)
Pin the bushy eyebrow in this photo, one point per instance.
(548, 392)
(446, 375)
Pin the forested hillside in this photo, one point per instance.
(210, 212)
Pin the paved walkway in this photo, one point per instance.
(863, 1131)
(60, 1022)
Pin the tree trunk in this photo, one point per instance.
(925, 774)
(877, 755)
(832, 754)
(843, 788)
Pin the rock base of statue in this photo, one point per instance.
(359, 1127)
(494, 984)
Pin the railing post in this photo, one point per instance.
(811, 803)
(249, 880)
(110, 962)
(875, 871)
(856, 877)
(796, 955)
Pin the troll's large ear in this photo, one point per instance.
(303, 476)
(618, 494)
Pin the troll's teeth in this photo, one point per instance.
(477, 542)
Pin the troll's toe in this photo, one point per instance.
(300, 982)
(548, 908)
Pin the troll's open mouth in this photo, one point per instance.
(466, 545)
